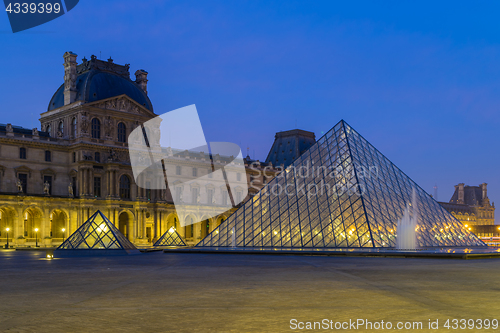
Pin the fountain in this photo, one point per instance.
(407, 225)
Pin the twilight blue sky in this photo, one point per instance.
(419, 80)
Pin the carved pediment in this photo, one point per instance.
(48, 172)
(122, 103)
(23, 169)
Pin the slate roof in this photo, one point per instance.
(472, 196)
(289, 145)
(98, 80)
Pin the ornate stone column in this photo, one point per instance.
(143, 231)
(45, 225)
(91, 182)
(69, 77)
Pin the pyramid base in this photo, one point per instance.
(62, 253)
(479, 252)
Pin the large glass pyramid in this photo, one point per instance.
(341, 193)
(97, 233)
(170, 238)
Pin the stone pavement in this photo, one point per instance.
(157, 292)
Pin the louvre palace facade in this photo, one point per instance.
(53, 179)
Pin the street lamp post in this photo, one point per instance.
(63, 230)
(7, 245)
(36, 237)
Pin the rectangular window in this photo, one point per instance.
(22, 153)
(97, 157)
(97, 187)
(178, 170)
(224, 198)
(194, 195)
(74, 157)
(210, 196)
(148, 190)
(47, 180)
(238, 197)
(23, 178)
(178, 194)
(195, 172)
(48, 156)
(238, 177)
(74, 185)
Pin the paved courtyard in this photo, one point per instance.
(157, 292)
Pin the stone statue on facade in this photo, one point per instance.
(9, 128)
(70, 190)
(108, 128)
(112, 156)
(46, 188)
(84, 123)
(34, 132)
(19, 185)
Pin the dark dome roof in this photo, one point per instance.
(94, 84)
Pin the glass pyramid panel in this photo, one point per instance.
(170, 238)
(341, 193)
(97, 233)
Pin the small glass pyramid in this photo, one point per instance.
(97, 233)
(170, 238)
(341, 193)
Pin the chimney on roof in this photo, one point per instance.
(461, 193)
(141, 78)
(484, 191)
(69, 77)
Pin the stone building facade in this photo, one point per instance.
(471, 206)
(52, 180)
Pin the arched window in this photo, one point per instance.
(48, 130)
(124, 187)
(73, 127)
(122, 132)
(96, 129)
(60, 128)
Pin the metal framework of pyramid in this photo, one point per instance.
(97, 233)
(170, 238)
(341, 193)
